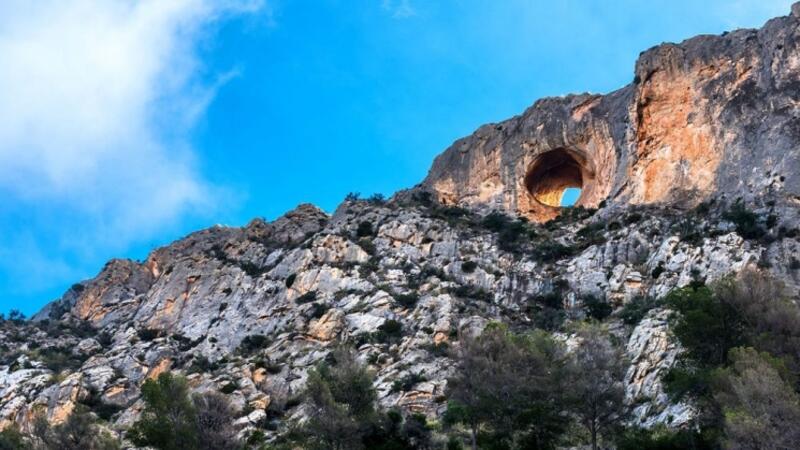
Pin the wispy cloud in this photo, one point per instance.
(96, 103)
(399, 9)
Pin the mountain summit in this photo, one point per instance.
(688, 175)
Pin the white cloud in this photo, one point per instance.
(96, 100)
(399, 9)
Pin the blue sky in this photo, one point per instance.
(127, 124)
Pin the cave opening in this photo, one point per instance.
(556, 178)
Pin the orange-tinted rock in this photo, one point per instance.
(712, 115)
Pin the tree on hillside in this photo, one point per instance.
(771, 322)
(171, 420)
(168, 420)
(12, 439)
(760, 408)
(342, 411)
(78, 432)
(214, 421)
(751, 309)
(505, 388)
(597, 392)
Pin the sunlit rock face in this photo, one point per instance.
(714, 115)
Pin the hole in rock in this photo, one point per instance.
(556, 178)
(570, 196)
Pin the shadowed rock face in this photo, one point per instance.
(714, 115)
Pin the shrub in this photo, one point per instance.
(391, 328)
(634, 311)
(228, 388)
(408, 381)
(474, 292)
(632, 218)
(551, 251)
(469, 266)
(495, 221)
(377, 199)
(12, 439)
(148, 334)
(290, 280)
(171, 420)
(253, 343)
(407, 300)
(167, 421)
(659, 269)
(252, 269)
(364, 229)
(662, 438)
(308, 297)
(59, 359)
(201, 364)
(318, 310)
(367, 245)
(597, 308)
(592, 234)
(547, 311)
(78, 432)
(491, 393)
(746, 221)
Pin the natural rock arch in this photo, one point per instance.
(551, 173)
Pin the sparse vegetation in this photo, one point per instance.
(172, 420)
(469, 266)
(408, 300)
(252, 344)
(746, 221)
(308, 297)
(364, 229)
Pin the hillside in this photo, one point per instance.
(688, 175)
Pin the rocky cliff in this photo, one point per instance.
(708, 125)
(714, 115)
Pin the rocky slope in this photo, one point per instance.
(247, 311)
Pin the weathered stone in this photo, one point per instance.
(404, 294)
(682, 132)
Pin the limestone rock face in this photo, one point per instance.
(249, 310)
(713, 115)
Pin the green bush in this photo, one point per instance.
(171, 420)
(408, 300)
(550, 251)
(662, 438)
(290, 280)
(745, 220)
(659, 269)
(308, 297)
(318, 310)
(469, 266)
(253, 343)
(634, 311)
(408, 381)
(252, 269)
(597, 308)
(167, 421)
(228, 388)
(148, 334)
(473, 292)
(364, 229)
